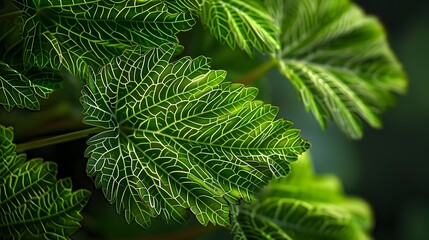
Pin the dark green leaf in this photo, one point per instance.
(75, 34)
(33, 204)
(17, 90)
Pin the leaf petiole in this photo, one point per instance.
(258, 72)
(23, 147)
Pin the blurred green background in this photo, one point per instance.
(388, 167)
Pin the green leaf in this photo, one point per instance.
(339, 61)
(176, 137)
(81, 33)
(33, 204)
(243, 23)
(17, 90)
(185, 5)
(20, 87)
(303, 206)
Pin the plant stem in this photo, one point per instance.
(22, 147)
(258, 72)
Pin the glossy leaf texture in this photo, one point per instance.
(246, 24)
(33, 204)
(339, 61)
(80, 33)
(175, 137)
(303, 206)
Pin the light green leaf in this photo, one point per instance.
(175, 137)
(303, 206)
(243, 23)
(33, 204)
(339, 61)
(17, 90)
(75, 34)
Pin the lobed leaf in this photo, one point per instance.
(33, 204)
(175, 137)
(339, 61)
(80, 33)
(245, 24)
(303, 206)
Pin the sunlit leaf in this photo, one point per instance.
(339, 61)
(33, 204)
(175, 137)
(303, 206)
(246, 24)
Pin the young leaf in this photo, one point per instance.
(17, 90)
(176, 137)
(243, 23)
(339, 61)
(303, 206)
(33, 204)
(91, 32)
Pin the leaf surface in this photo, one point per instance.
(245, 24)
(339, 61)
(17, 90)
(303, 206)
(175, 137)
(81, 33)
(33, 204)
(20, 87)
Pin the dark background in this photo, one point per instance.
(388, 167)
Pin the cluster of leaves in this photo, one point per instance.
(172, 134)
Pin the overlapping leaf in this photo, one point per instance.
(339, 61)
(75, 34)
(175, 137)
(20, 87)
(33, 204)
(303, 206)
(245, 24)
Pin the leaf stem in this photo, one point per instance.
(22, 147)
(258, 72)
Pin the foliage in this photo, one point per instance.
(34, 205)
(171, 134)
(174, 137)
(339, 61)
(303, 206)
